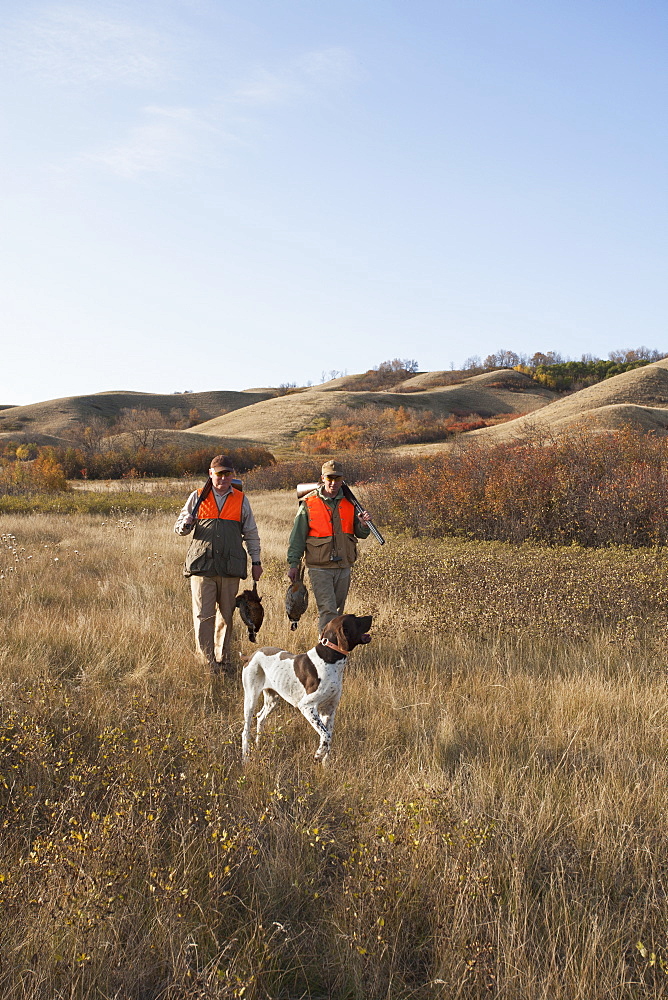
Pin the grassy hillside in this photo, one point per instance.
(637, 398)
(276, 422)
(275, 419)
(52, 422)
(266, 416)
(641, 388)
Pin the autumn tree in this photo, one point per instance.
(141, 425)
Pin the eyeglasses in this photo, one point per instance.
(221, 472)
(333, 479)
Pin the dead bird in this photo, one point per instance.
(296, 600)
(250, 608)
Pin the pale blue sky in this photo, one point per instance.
(222, 194)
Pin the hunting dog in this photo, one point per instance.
(312, 681)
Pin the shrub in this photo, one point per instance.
(586, 489)
(386, 374)
(358, 468)
(26, 452)
(139, 461)
(43, 475)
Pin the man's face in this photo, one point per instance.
(332, 485)
(221, 478)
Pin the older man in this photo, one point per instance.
(216, 560)
(326, 529)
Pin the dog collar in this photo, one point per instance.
(332, 645)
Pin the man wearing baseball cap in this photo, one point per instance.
(216, 560)
(325, 530)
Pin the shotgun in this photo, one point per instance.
(305, 488)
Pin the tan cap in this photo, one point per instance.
(332, 468)
(222, 462)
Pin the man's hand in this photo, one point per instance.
(256, 572)
(188, 521)
(364, 516)
(293, 573)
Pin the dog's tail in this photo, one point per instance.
(245, 659)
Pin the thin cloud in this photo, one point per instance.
(153, 147)
(264, 88)
(73, 45)
(321, 70)
(174, 135)
(185, 116)
(329, 68)
(171, 136)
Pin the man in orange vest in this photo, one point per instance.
(326, 529)
(216, 560)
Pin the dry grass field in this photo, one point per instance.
(493, 822)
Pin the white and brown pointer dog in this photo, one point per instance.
(312, 681)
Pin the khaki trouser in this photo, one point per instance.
(213, 607)
(330, 588)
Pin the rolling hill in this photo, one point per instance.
(273, 419)
(56, 420)
(276, 422)
(637, 398)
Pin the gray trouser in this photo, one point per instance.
(330, 588)
(213, 607)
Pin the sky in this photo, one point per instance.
(229, 194)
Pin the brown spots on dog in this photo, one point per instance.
(285, 655)
(306, 672)
(270, 650)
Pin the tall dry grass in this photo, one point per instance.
(493, 822)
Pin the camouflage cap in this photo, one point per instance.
(332, 468)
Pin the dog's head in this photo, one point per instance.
(348, 631)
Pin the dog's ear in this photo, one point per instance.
(342, 637)
(347, 632)
(334, 631)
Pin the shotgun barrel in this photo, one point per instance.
(349, 495)
(304, 488)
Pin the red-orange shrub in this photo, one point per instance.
(594, 490)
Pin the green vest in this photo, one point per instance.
(216, 549)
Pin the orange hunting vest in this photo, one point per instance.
(230, 511)
(320, 517)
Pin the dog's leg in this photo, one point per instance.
(271, 700)
(328, 721)
(252, 679)
(311, 715)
